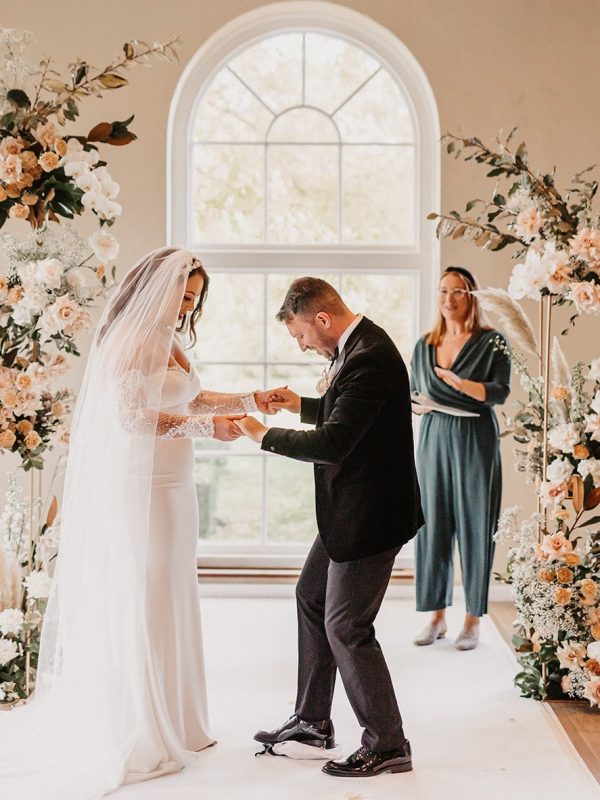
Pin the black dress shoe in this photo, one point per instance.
(317, 734)
(365, 763)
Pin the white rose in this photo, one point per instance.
(21, 314)
(564, 437)
(11, 621)
(104, 245)
(8, 651)
(49, 272)
(559, 470)
(38, 585)
(590, 466)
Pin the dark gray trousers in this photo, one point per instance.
(337, 605)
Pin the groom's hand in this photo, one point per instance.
(252, 428)
(265, 400)
(226, 429)
(287, 399)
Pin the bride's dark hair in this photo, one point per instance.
(138, 276)
(188, 324)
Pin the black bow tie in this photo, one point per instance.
(333, 358)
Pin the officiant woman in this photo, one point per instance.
(458, 364)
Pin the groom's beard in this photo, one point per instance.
(325, 346)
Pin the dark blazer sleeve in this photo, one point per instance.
(363, 388)
(309, 408)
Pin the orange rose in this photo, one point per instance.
(560, 393)
(572, 559)
(593, 666)
(589, 589)
(24, 426)
(28, 160)
(581, 451)
(49, 161)
(15, 294)
(562, 596)
(60, 146)
(3, 194)
(29, 198)
(58, 409)
(7, 439)
(564, 575)
(18, 211)
(32, 440)
(546, 575)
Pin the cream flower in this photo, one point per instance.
(32, 440)
(586, 246)
(18, 211)
(38, 585)
(11, 168)
(586, 297)
(9, 650)
(590, 466)
(49, 161)
(528, 224)
(593, 650)
(104, 245)
(570, 655)
(592, 691)
(11, 146)
(559, 470)
(23, 381)
(555, 546)
(593, 427)
(553, 493)
(11, 621)
(50, 272)
(46, 135)
(28, 403)
(564, 437)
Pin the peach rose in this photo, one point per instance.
(57, 409)
(586, 296)
(7, 439)
(23, 381)
(32, 440)
(593, 666)
(18, 211)
(562, 596)
(28, 161)
(586, 245)
(546, 575)
(589, 589)
(11, 146)
(49, 161)
(10, 398)
(60, 146)
(29, 198)
(556, 546)
(3, 194)
(15, 294)
(581, 451)
(564, 575)
(46, 134)
(572, 559)
(560, 393)
(24, 426)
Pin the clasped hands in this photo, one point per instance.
(231, 427)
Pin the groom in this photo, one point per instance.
(367, 504)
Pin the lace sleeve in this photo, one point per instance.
(137, 418)
(220, 403)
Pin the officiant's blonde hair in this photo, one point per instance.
(475, 320)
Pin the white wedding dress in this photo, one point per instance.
(175, 703)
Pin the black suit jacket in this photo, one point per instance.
(366, 489)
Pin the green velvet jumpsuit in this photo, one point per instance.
(459, 469)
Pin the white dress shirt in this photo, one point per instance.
(342, 343)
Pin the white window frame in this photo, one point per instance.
(422, 256)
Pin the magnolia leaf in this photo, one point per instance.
(121, 139)
(576, 488)
(52, 512)
(592, 521)
(17, 97)
(112, 81)
(592, 499)
(100, 132)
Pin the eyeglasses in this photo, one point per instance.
(455, 294)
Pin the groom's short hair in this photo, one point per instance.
(308, 296)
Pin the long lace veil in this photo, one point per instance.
(73, 740)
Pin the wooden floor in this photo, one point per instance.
(580, 722)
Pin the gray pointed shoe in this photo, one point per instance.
(429, 634)
(467, 640)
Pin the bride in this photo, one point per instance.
(120, 686)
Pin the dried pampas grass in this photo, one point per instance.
(509, 318)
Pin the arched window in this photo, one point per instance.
(303, 140)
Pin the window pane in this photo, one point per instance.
(377, 113)
(230, 498)
(291, 501)
(228, 193)
(280, 345)
(229, 112)
(379, 194)
(273, 69)
(303, 125)
(334, 69)
(303, 194)
(389, 300)
(231, 326)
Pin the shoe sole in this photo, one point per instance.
(403, 767)
(310, 742)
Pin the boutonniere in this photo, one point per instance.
(325, 381)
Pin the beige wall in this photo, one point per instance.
(492, 64)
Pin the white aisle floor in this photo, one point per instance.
(473, 737)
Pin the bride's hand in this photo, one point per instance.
(265, 400)
(226, 429)
(252, 428)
